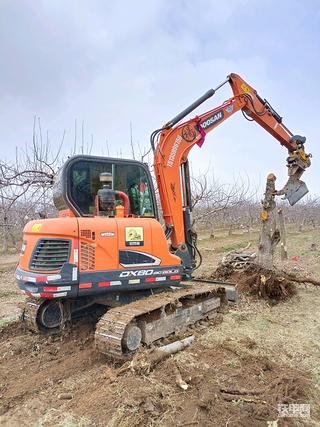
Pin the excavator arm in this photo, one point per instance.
(176, 140)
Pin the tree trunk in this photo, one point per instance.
(268, 237)
(5, 235)
(283, 235)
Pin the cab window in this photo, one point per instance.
(132, 179)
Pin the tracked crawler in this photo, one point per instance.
(121, 330)
(108, 254)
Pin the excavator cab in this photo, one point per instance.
(83, 178)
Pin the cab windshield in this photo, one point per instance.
(132, 179)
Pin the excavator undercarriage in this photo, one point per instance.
(122, 328)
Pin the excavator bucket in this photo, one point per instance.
(294, 190)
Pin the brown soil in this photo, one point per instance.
(45, 380)
(237, 371)
(10, 296)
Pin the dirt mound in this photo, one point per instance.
(255, 280)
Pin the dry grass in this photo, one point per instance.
(289, 333)
(59, 418)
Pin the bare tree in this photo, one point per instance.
(214, 202)
(25, 181)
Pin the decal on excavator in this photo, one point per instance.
(107, 234)
(188, 133)
(148, 272)
(36, 228)
(212, 120)
(136, 273)
(245, 88)
(134, 236)
(174, 150)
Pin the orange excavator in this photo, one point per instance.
(108, 253)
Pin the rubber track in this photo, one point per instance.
(111, 326)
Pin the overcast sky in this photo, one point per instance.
(109, 63)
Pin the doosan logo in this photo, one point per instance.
(212, 120)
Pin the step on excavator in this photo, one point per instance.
(108, 251)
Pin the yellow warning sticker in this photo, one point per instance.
(245, 88)
(134, 236)
(36, 228)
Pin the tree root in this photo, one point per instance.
(302, 279)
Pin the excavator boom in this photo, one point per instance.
(177, 139)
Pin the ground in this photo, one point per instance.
(241, 366)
